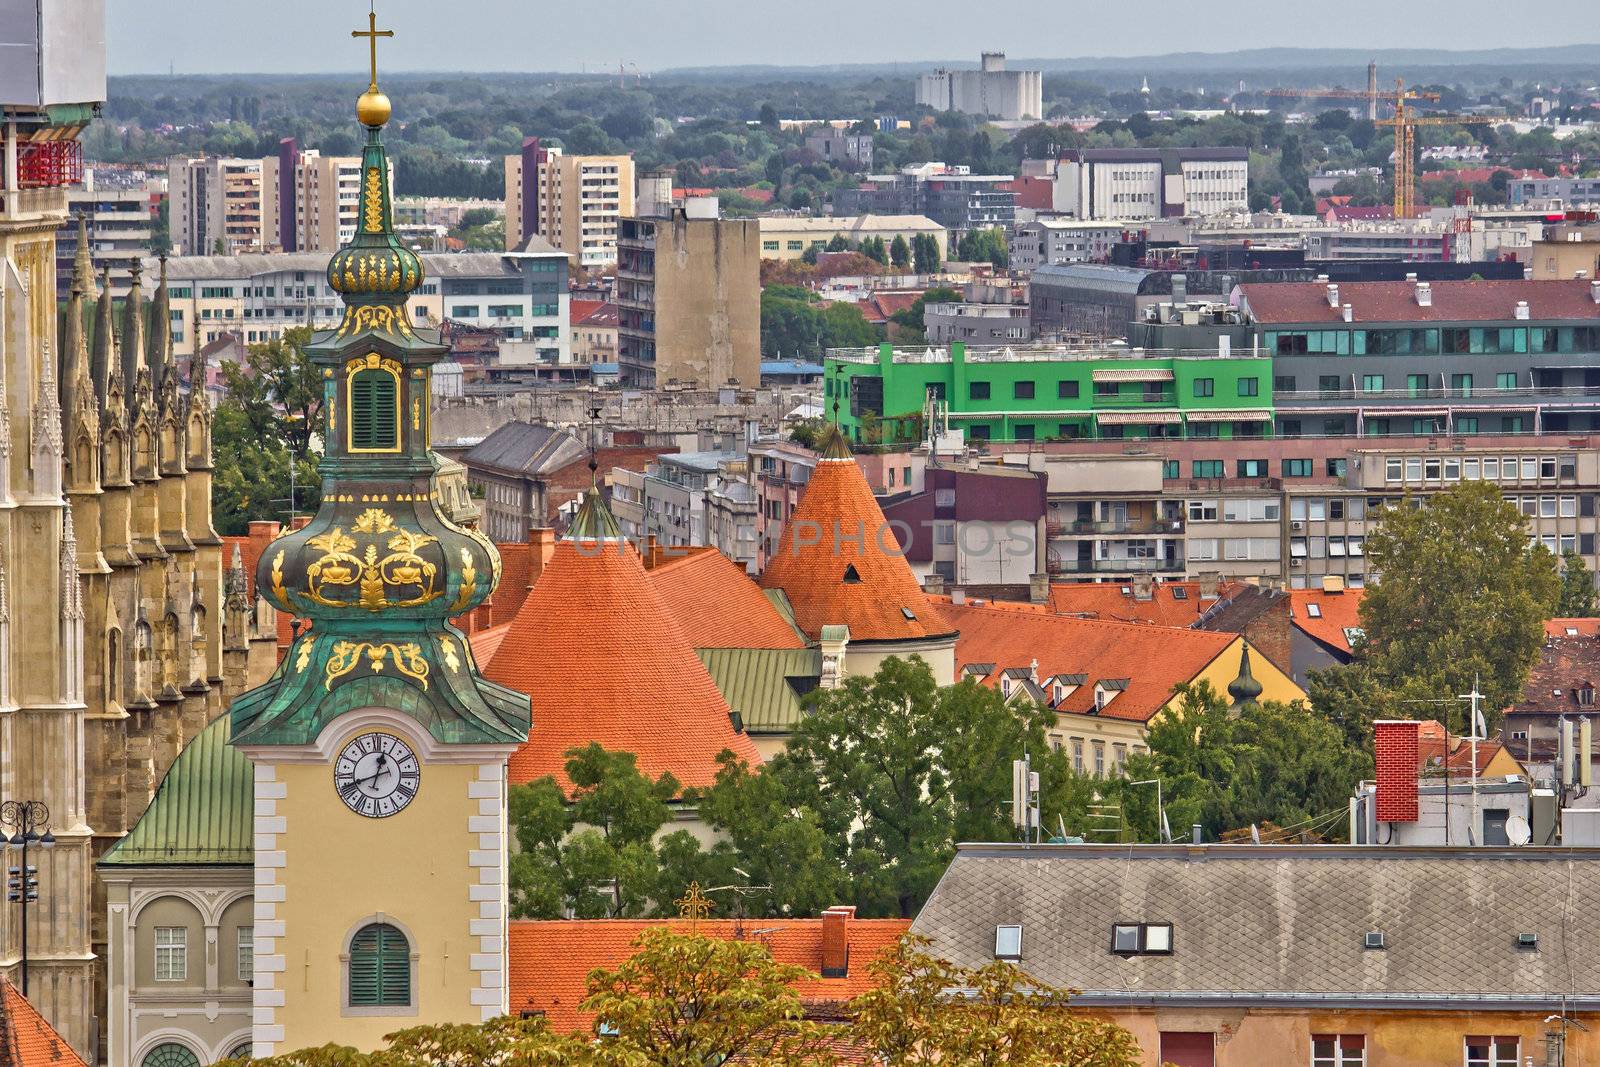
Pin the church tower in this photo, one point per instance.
(379, 750)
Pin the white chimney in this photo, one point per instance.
(1522, 309)
(1349, 313)
(1424, 295)
(1594, 291)
(1333, 294)
(1411, 277)
(1527, 274)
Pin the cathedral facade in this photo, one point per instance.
(121, 634)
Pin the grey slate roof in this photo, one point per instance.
(525, 448)
(1284, 924)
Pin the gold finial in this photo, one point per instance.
(373, 107)
(694, 906)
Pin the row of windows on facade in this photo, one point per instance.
(505, 311)
(1469, 340)
(1066, 389)
(379, 964)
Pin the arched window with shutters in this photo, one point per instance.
(171, 1054)
(379, 974)
(374, 416)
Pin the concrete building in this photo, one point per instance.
(258, 296)
(514, 465)
(446, 211)
(962, 528)
(778, 470)
(574, 202)
(121, 223)
(786, 237)
(215, 206)
(976, 324)
(1566, 252)
(311, 202)
(1569, 192)
(961, 202)
(688, 299)
(689, 499)
(991, 91)
(847, 150)
(1051, 240)
(1146, 183)
(1396, 955)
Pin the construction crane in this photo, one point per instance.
(1405, 124)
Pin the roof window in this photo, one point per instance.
(909, 614)
(1180, 593)
(1141, 939)
(1008, 942)
(1314, 610)
(1374, 939)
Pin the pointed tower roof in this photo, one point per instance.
(159, 350)
(104, 339)
(73, 351)
(839, 563)
(133, 334)
(1244, 689)
(603, 660)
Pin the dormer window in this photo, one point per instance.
(1102, 697)
(1586, 694)
(1141, 939)
(374, 405)
(851, 575)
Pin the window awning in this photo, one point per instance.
(1233, 415)
(1155, 374)
(1137, 418)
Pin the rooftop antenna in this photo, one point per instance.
(1479, 727)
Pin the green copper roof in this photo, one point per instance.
(594, 521)
(1244, 689)
(764, 685)
(201, 813)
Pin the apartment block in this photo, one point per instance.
(790, 236)
(574, 202)
(121, 223)
(1053, 240)
(215, 206)
(312, 202)
(1148, 183)
(779, 471)
(840, 148)
(688, 299)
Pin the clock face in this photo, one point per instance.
(376, 775)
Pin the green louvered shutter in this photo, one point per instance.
(380, 967)
(372, 410)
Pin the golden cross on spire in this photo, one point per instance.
(372, 33)
(694, 906)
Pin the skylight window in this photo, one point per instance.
(909, 614)
(1008, 942)
(1314, 610)
(1572, 631)
(1180, 593)
(851, 575)
(1141, 939)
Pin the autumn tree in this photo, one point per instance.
(1461, 596)
(1003, 1017)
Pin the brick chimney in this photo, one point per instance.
(1395, 744)
(836, 940)
(1144, 587)
(1209, 582)
(542, 545)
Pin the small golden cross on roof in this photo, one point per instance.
(693, 906)
(372, 33)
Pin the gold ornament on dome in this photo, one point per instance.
(407, 659)
(469, 583)
(450, 658)
(306, 644)
(278, 590)
(375, 573)
(374, 205)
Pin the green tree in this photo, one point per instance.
(769, 116)
(1003, 1018)
(925, 253)
(897, 769)
(1577, 589)
(597, 853)
(1463, 595)
(979, 246)
(266, 423)
(900, 251)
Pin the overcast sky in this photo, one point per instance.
(218, 36)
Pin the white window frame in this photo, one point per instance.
(172, 954)
(1494, 1059)
(246, 954)
(1341, 1057)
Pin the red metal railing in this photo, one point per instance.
(49, 164)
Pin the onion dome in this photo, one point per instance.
(379, 571)
(1244, 689)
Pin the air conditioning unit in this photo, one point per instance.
(1297, 525)
(1296, 561)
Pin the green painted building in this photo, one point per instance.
(1048, 392)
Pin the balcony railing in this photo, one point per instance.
(1165, 398)
(1477, 395)
(1154, 527)
(1113, 566)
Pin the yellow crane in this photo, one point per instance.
(1404, 121)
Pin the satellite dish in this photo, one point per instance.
(1518, 831)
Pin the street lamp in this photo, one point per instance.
(31, 821)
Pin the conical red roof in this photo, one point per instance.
(604, 660)
(840, 563)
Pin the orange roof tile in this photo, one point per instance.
(718, 605)
(26, 1039)
(833, 564)
(1151, 660)
(1561, 627)
(1433, 742)
(578, 310)
(551, 960)
(485, 643)
(1114, 601)
(605, 661)
(1335, 613)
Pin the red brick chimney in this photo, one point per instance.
(1395, 745)
(836, 941)
(542, 540)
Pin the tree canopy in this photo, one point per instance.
(267, 421)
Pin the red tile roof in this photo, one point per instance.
(1108, 600)
(718, 605)
(551, 961)
(1453, 301)
(485, 643)
(1151, 660)
(880, 307)
(578, 310)
(604, 660)
(1335, 613)
(1568, 670)
(1433, 742)
(833, 565)
(26, 1039)
(1582, 627)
